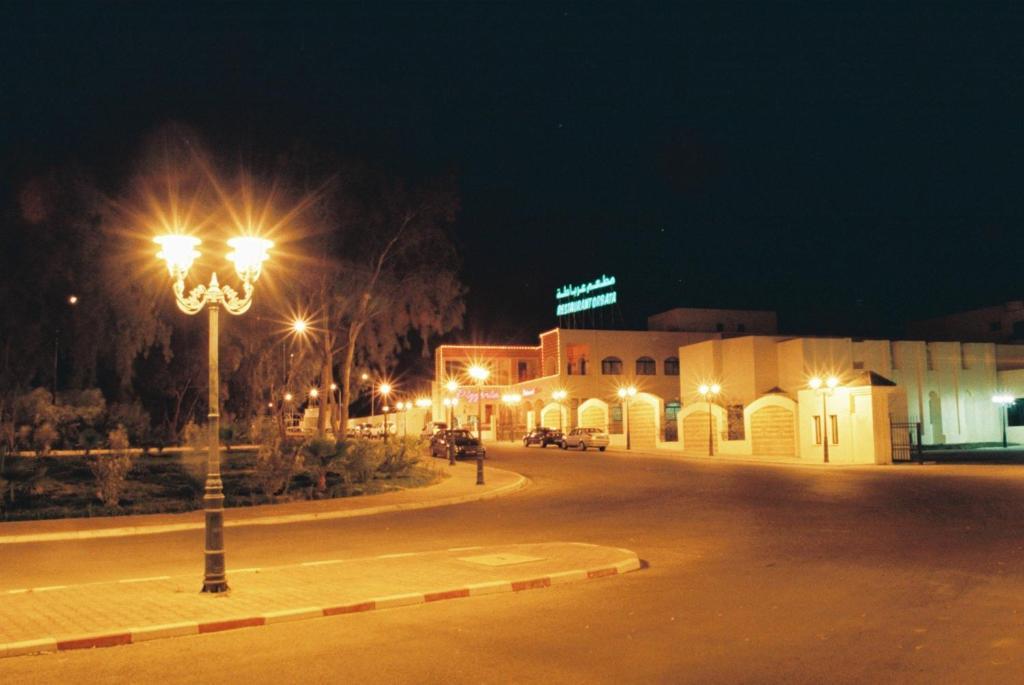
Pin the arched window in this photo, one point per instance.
(672, 366)
(611, 366)
(645, 366)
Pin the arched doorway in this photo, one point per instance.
(771, 432)
(695, 433)
(642, 425)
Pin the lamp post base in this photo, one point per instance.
(214, 578)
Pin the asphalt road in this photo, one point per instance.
(755, 574)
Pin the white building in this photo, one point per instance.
(932, 392)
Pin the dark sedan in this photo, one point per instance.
(543, 437)
(461, 441)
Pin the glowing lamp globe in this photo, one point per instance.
(815, 383)
(715, 388)
(384, 389)
(179, 251)
(479, 373)
(249, 255)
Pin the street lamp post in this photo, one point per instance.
(1004, 401)
(384, 389)
(709, 391)
(558, 396)
(512, 401)
(179, 251)
(450, 403)
(624, 395)
(826, 389)
(479, 374)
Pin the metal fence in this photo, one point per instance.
(906, 441)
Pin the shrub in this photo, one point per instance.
(195, 437)
(111, 471)
(133, 418)
(89, 439)
(400, 456)
(275, 459)
(320, 455)
(360, 460)
(43, 437)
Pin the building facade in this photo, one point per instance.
(941, 391)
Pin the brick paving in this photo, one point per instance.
(120, 612)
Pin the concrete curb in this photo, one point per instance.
(130, 635)
(126, 531)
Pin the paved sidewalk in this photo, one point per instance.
(458, 488)
(132, 610)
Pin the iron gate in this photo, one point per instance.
(906, 441)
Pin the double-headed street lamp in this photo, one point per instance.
(624, 395)
(179, 251)
(1004, 400)
(826, 388)
(708, 392)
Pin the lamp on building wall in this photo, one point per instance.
(1004, 400)
(826, 388)
(624, 395)
(708, 392)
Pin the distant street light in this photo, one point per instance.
(709, 391)
(179, 252)
(1004, 401)
(624, 395)
(826, 388)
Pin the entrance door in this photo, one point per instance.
(641, 425)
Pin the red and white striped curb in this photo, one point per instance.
(132, 635)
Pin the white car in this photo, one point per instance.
(583, 438)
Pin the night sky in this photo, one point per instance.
(851, 168)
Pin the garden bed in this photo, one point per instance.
(64, 487)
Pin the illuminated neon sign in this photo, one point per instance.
(578, 298)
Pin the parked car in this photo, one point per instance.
(542, 436)
(460, 440)
(583, 438)
(432, 428)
